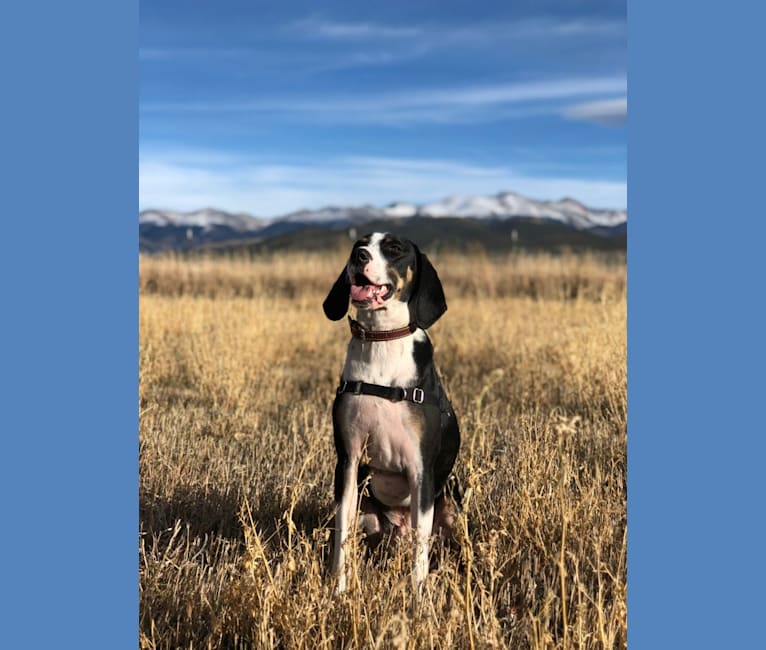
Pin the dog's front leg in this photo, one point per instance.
(422, 518)
(345, 509)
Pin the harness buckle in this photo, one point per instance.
(418, 395)
(342, 388)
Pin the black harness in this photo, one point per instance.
(391, 393)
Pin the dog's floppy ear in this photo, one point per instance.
(427, 303)
(336, 304)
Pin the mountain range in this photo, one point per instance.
(477, 217)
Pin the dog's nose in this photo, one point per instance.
(361, 256)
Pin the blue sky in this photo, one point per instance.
(272, 107)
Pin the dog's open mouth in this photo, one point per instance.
(365, 292)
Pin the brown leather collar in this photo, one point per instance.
(358, 331)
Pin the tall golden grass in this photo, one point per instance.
(237, 372)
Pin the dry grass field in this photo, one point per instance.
(238, 368)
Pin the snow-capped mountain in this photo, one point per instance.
(161, 230)
(505, 205)
(357, 214)
(400, 210)
(205, 218)
(164, 229)
(332, 214)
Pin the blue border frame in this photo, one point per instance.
(70, 329)
(695, 328)
(69, 266)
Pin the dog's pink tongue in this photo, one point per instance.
(361, 293)
(375, 293)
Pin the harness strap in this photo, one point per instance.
(392, 393)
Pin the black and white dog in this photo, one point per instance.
(393, 425)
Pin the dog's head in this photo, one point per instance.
(381, 269)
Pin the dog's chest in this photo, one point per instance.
(389, 363)
(388, 433)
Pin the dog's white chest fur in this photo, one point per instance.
(387, 434)
(389, 363)
(386, 431)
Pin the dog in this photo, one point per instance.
(393, 426)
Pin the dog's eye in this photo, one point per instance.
(393, 247)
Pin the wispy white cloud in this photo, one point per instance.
(359, 44)
(186, 180)
(577, 28)
(441, 105)
(516, 92)
(607, 111)
(439, 35)
(321, 28)
(543, 31)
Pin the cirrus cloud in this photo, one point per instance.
(612, 112)
(188, 180)
(474, 103)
